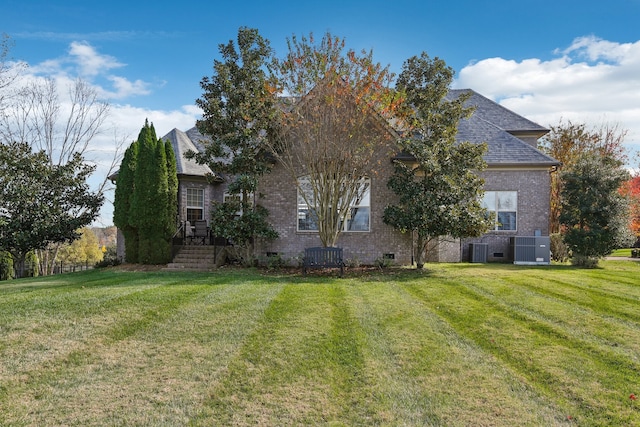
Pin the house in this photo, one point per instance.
(517, 187)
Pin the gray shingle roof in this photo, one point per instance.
(183, 142)
(495, 125)
(495, 113)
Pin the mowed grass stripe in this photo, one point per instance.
(581, 376)
(603, 333)
(302, 366)
(127, 315)
(163, 365)
(425, 373)
(456, 345)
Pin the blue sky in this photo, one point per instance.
(547, 60)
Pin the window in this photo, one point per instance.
(504, 204)
(358, 217)
(228, 197)
(195, 204)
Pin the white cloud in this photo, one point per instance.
(90, 62)
(124, 88)
(591, 81)
(84, 61)
(124, 120)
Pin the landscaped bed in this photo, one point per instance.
(458, 344)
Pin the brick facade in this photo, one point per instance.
(280, 198)
(533, 186)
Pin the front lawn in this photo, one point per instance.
(460, 344)
(622, 253)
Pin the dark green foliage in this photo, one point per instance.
(238, 110)
(110, 258)
(150, 192)
(439, 191)
(6, 266)
(43, 203)
(123, 200)
(172, 189)
(594, 213)
(150, 199)
(241, 230)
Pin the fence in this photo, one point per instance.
(58, 268)
(61, 267)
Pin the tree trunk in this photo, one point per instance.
(18, 264)
(419, 251)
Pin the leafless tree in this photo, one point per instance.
(34, 112)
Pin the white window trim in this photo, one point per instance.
(228, 196)
(200, 197)
(302, 205)
(496, 210)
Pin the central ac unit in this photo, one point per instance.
(478, 252)
(531, 250)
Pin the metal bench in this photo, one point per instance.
(321, 257)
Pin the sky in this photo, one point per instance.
(549, 61)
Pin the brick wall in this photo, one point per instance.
(280, 198)
(533, 208)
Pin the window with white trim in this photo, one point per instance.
(228, 197)
(359, 215)
(504, 206)
(195, 204)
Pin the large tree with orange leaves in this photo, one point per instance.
(331, 126)
(633, 190)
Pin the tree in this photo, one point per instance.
(634, 196)
(594, 212)
(36, 114)
(439, 190)
(123, 200)
(84, 250)
(150, 212)
(567, 142)
(44, 203)
(331, 127)
(9, 71)
(172, 189)
(239, 105)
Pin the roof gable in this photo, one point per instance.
(182, 143)
(497, 126)
(496, 114)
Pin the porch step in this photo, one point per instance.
(196, 258)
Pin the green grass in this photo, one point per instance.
(459, 344)
(622, 252)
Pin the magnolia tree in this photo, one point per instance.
(438, 187)
(595, 213)
(331, 125)
(238, 105)
(43, 203)
(60, 125)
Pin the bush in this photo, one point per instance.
(352, 262)
(584, 261)
(6, 266)
(383, 262)
(559, 250)
(110, 258)
(273, 262)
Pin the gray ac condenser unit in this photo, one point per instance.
(478, 252)
(531, 250)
